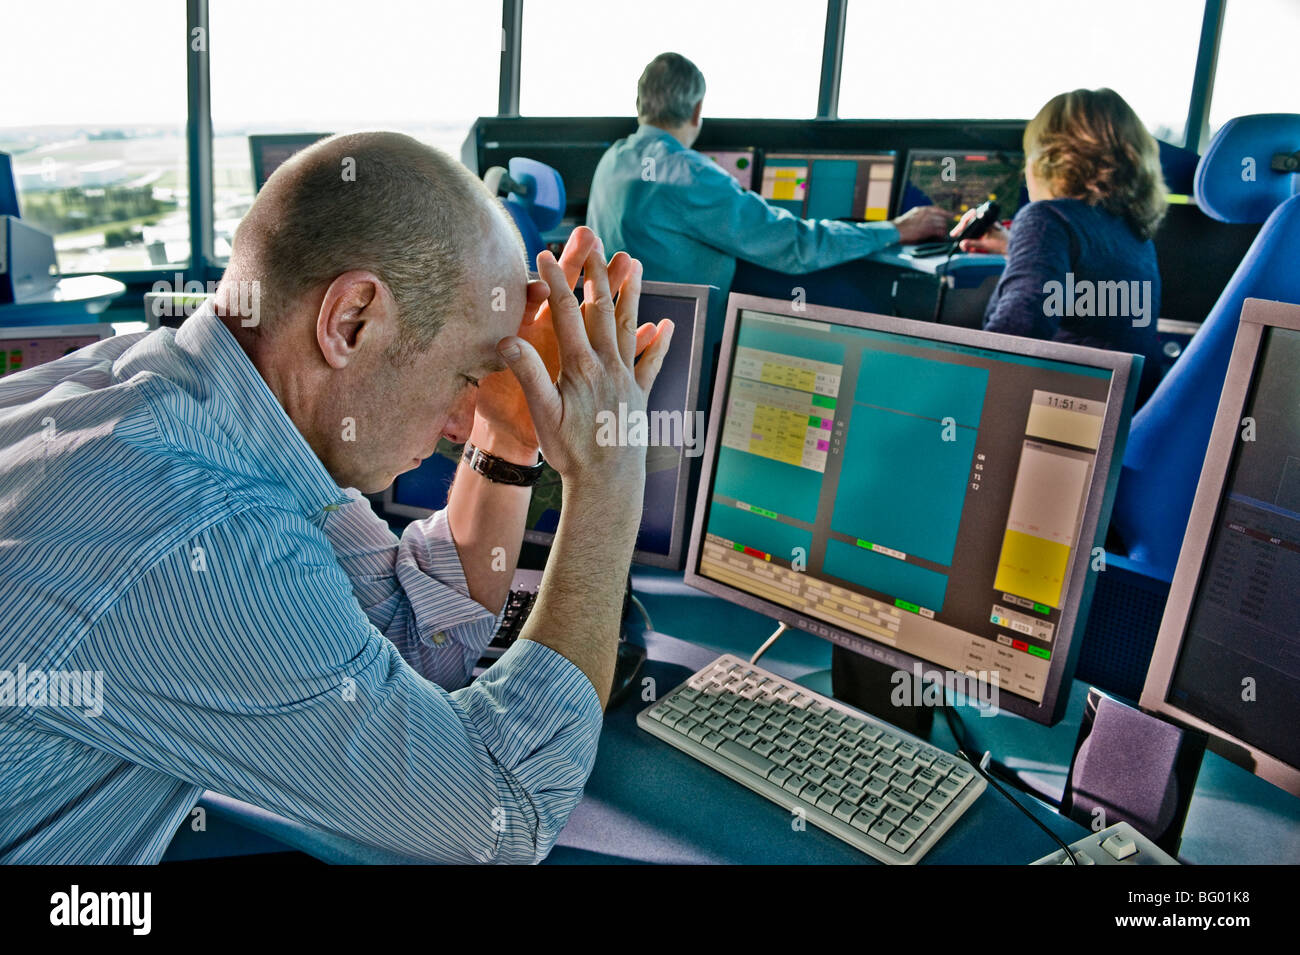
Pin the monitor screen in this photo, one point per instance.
(27, 347)
(914, 492)
(738, 163)
(961, 179)
(1237, 663)
(673, 429)
(830, 185)
(269, 152)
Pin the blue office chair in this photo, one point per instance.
(1235, 182)
(1169, 435)
(535, 199)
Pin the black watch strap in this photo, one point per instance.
(501, 471)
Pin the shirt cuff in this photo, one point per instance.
(430, 573)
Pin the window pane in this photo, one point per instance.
(583, 58)
(424, 68)
(1004, 61)
(94, 115)
(1257, 54)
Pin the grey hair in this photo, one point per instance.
(669, 90)
(381, 202)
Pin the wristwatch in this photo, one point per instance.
(501, 471)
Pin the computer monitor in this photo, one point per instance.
(1227, 659)
(961, 179)
(29, 346)
(921, 494)
(740, 164)
(674, 431)
(269, 151)
(830, 185)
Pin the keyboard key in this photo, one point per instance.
(672, 718)
(926, 757)
(794, 784)
(820, 758)
(835, 785)
(839, 767)
(746, 757)
(698, 732)
(893, 815)
(779, 775)
(873, 805)
(853, 794)
(835, 716)
(802, 750)
(854, 724)
(780, 756)
(857, 776)
(753, 724)
(715, 723)
(845, 810)
(812, 792)
(817, 775)
(901, 839)
(927, 776)
(949, 786)
(877, 787)
(902, 799)
(943, 765)
(863, 820)
(798, 766)
(870, 733)
(886, 757)
(907, 749)
(915, 823)
(881, 830)
(747, 740)
(786, 741)
(907, 767)
(764, 748)
(925, 812)
(730, 731)
(828, 802)
(920, 790)
(682, 706)
(767, 733)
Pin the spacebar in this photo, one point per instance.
(746, 757)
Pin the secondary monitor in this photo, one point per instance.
(737, 163)
(961, 179)
(1227, 660)
(673, 432)
(830, 185)
(917, 493)
(270, 151)
(27, 347)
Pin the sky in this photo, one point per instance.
(331, 64)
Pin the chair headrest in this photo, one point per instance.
(543, 196)
(1234, 181)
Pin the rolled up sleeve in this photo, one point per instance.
(413, 589)
(260, 678)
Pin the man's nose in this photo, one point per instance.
(461, 420)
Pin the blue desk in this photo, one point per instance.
(647, 802)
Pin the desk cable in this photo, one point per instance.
(1001, 770)
(776, 635)
(979, 765)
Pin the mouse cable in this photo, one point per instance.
(979, 766)
(776, 635)
(943, 282)
(1008, 775)
(645, 614)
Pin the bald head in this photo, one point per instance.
(379, 202)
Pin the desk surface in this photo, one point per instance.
(648, 802)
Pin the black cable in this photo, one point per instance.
(943, 282)
(975, 765)
(1008, 775)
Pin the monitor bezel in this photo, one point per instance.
(882, 153)
(100, 330)
(1257, 315)
(1125, 371)
(931, 151)
(677, 542)
(257, 140)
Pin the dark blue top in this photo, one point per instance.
(1076, 273)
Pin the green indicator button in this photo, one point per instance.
(907, 606)
(814, 421)
(1043, 608)
(1040, 652)
(862, 543)
(739, 547)
(759, 510)
(823, 401)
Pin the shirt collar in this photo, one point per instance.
(243, 404)
(647, 131)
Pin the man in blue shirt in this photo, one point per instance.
(687, 220)
(183, 542)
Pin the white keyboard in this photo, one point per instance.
(861, 779)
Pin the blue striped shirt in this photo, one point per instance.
(258, 630)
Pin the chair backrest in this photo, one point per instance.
(1169, 435)
(536, 199)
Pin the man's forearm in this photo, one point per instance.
(487, 523)
(580, 604)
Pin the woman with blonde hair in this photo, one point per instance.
(1081, 266)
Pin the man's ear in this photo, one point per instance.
(699, 109)
(356, 312)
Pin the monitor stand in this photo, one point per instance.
(872, 686)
